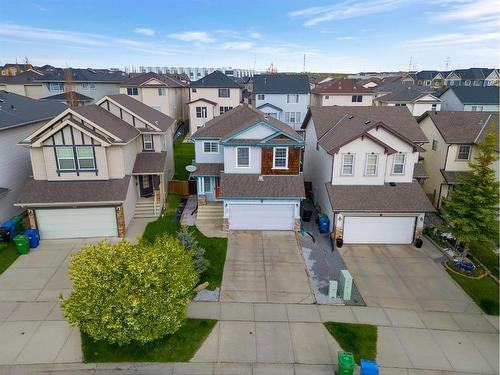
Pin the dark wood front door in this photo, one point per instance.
(146, 185)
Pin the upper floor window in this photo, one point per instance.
(224, 109)
(201, 112)
(88, 85)
(224, 93)
(68, 156)
(85, 157)
(357, 98)
(261, 96)
(400, 105)
(292, 117)
(477, 108)
(371, 165)
(463, 152)
(147, 142)
(56, 86)
(65, 158)
(434, 145)
(327, 97)
(434, 107)
(210, 147)
(347, 165)
(193, 90)
(242, 157)
(280, 157)
(292, 98)
(398, 166)
(132, 91)
(162, 91)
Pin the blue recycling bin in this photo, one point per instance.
(324, 224)
(33, 236)
(368, 367)
(11, 226)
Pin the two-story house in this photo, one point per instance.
(162, 92)
(360, 161)
(211, 96)
(96, 167)
(345, 91)
(19, 117)
(251, 162)
(282, 96)
(452, 139)
(475, 99)
(414, 98)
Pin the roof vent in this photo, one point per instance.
(392, 184)
(367, 122)
(12, 106)
(261, 178)
(350, 117)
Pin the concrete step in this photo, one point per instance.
(144, 205)
(139, 216)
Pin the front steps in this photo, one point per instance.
(145, 208)
(209, 219)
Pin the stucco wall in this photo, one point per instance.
(230, 161)
(340, 99)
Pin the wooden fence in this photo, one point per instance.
(179, 187)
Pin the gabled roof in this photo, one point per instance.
(17, 110)
(476, 94)
(83, 75)
(269, 105)
(217, 79)
(341, 86)
(64, 96)
(237, 120)
(202, 100)
(140, 80)
(463, 127)
(281, 84)
(151, 115)
(25, 78)
(405, 94)
(426, 75)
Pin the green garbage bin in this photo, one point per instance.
(346, 363)
(18, 222)
(22, 243)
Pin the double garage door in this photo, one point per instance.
(261, 216)
(379, 229)
(76, 222)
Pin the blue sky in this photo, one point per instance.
(336, 36)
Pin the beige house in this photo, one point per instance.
(162, 92)
(96, 167)
(452, 145)
(343, 92)
(24, 84)
(211, 96)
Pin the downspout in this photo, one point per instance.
(444, 169)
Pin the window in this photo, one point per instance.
(327, 97)
(347, 165)
(398, 167)
(292, 117)
(85, 157)
(280, 157)
(400, 105)
(434, 145)
(273, 114)
(371, 165)
(147, 142)
(292, 98)
(434, 107)
(207, 184)
(463, 152)
(193, 90)
(224, 93)
(261, 96)
(56, 86)
(162, 91)
(224, 109)
(132, 91)
(210, 147)
(477, 108)
(357, 98)
(242, 157)
(65, 158)
(201, 112)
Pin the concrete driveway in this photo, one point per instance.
(401, 276)
(264, 267)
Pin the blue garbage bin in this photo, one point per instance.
(324, 224)
(11, 226)
(368, 367)
(33, 236)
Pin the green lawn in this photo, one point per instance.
(359, 339)
(215, 247)
(483, 291)
(8, 255)
(183, 155)
(178, 347)
(487, 256)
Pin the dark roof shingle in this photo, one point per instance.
(214, 80)
(256, 186)
(150, 163)
(281, 84)
(207, 169)
(476, 95)
(341, 86)
(166, 80)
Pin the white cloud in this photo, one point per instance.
(241, 46)
(345, 10)
(193, 36)
(144, 31)
(347, 38)
(472, 10)
(444, 40)
(255, 35)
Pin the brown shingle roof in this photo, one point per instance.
(148, 113)
(463, 127)
(166, 80)
(207, 169)
(47, 193)
(238, 119)
(403, 197)
(451, 177)
(419, 171)
(249, 186)
(150, 163)
(341, 86)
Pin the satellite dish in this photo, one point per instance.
(191, 168)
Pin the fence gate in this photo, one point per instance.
(179, 187)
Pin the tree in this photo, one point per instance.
(188, 239)
(471, 211)
(125, 293)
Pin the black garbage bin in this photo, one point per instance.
(306, 215)
(4, 234)
(418, 243)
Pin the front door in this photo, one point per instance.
(146, 185)
(217, 187)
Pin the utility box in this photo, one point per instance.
(332, 289)
(345, 285)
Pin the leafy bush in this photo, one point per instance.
(189, 241)
(124, 293)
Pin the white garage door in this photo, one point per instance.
(377, 229)
(261, 216)
(76, 222)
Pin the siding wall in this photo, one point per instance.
(280, 100)
(230, 161)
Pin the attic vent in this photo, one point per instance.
(350, 117)
(367, 122)
(91, 70)
(261, 178)
(392, 184)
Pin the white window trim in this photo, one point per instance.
(211, 152)
(394, 164)
(274, 158)
(65, 158)
(366, 166)
(211, 185)
(85, 158)
(249, 158)
(342, 165)
(144, 142)
(458, 152)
